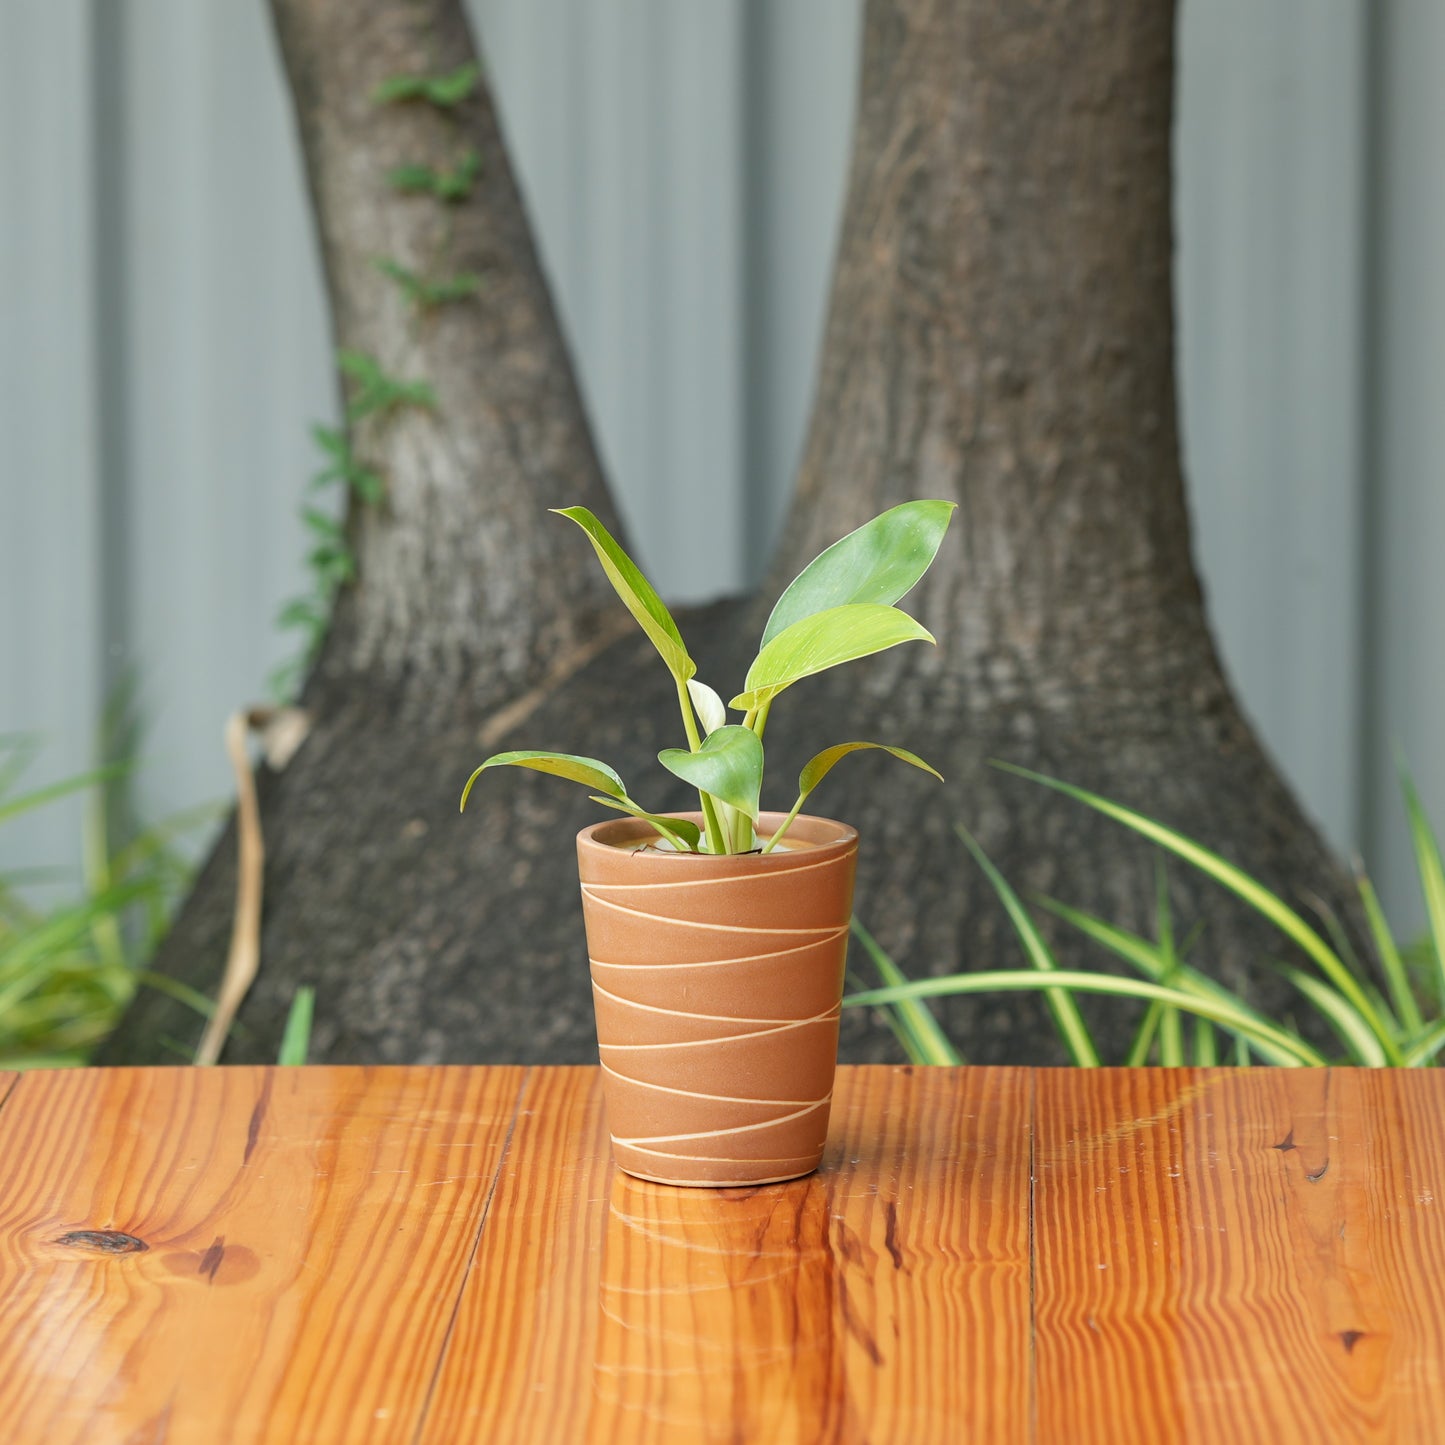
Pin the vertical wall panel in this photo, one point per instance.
(803, 81)
(625, 120)
(1405, 483)
(226, 363)
(1270, 193)
(50, 562)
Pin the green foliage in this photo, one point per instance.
(725, 761)
(443, 91)
(70, 964)
(425, 295)
(911, 1019)
(343, 469)
(373, 391)
(330, 561)
(296, 1038)
(450, 186)
(1406, 1029)
(879, 563)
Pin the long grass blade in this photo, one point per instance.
(1354, 1032)
(1392, 965)
(1245, 888)
(1146, 958)
(296, 1038)
(1431, 870)
(1423, 1051)
(1067, 1018)
(1138, 1054)
(919, 1031)
(1287, 1046)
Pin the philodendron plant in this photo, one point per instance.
(838, 609)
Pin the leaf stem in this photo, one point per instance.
(717, 840)
(785, 824)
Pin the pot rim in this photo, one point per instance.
(604, 838)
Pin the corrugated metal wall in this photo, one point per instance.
(163, 342)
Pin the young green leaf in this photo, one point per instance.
(636, 592)
(680, 832)
(587, 771)
(821, 764)
(879, 562)
(824, 640)
(709, 706)
(728, 766)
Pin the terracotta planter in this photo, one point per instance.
(717, 983)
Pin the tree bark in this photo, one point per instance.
(1000, 334)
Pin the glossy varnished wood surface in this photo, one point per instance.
(448, 1255)
(1254, 1254)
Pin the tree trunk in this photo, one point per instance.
(1001, 334)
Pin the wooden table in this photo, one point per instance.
(445, 1254)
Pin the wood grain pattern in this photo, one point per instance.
(1240, 1255)
(883, 1298)
(218, 1255)
(432, 1256)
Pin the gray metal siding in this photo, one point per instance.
(164, 345)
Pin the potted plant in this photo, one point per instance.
(717, 937)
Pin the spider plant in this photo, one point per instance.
(838, 609)
(1401, 1026)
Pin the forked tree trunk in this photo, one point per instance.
(1001, 334)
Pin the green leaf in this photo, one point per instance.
(709, 706)
(40, 796)
(296, 1039)
(444, 91)
(879, 562)
(1424, 1049)
(1067, 1018)
(636, 592)
(454, 87)
(587, 771)
(1428, 865)
(327, 528)
(1150, 960)
(821, 764)
(1023, 981)
(301, 612)
(1398, 981)
(924, 1040)
(824, 640)
(412, 179)
(1354, 1032)
(1138, 1054)
(682, 833)
(1242, 886)
(332, 442)
(728, 766)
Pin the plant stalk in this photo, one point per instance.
(717, 840)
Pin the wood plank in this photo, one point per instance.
(883, 1298)
(1238, 1255)
(217, 1255)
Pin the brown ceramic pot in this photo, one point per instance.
(717, 983)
